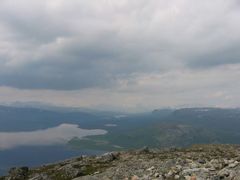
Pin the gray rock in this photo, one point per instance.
(108, 157)
(223, 173)
(18, 173)
(213, 162)
(233, 164)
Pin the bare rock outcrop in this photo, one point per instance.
(199, 162)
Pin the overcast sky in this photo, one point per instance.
(121, 54)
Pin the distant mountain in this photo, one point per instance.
(163, 112)
(51, 107)
(159, 128)
(170, 128)
(28, 119)
(213, 118)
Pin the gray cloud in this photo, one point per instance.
(227, 55)
(117, 45)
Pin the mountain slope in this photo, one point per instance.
(197, 162)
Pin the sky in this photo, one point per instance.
(130, 55)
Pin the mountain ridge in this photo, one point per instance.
(198, 162)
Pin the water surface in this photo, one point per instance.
(35, 148)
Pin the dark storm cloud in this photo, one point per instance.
(75, 65)
(88, 44)
(230, 55)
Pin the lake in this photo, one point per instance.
(35, 148)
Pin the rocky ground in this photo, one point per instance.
(199, 162)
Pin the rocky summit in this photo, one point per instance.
(199, 162)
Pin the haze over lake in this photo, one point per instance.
(51, 136)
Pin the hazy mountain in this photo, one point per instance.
(159, 128)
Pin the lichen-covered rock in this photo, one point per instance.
(18, 173)
(199, 162)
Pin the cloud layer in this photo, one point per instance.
(102, 44)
